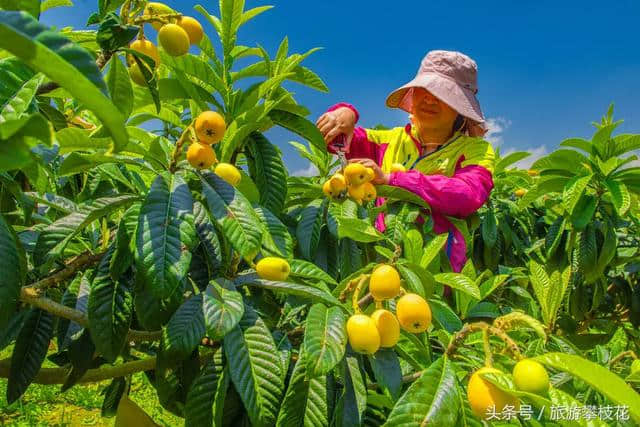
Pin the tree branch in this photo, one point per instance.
(78, 263)
(59, 375)
(32, 296)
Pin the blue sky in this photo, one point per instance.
(546, 68)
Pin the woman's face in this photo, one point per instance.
(431, 113)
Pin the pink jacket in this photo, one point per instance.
(455, 180)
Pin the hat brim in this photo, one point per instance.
(462, 100)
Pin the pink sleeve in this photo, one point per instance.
(360, 146)
(458, 196)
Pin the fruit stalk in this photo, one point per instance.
(470, 328)
(619, 357)
(178, 149)
(488, 356)
(357, 292)
(163, 19)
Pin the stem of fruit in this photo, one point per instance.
(512, 346)
(178, 149)
(163, 19)
(357, 292)
(124, 12)
(470, 328)
(396, 254)
(488, 359)
(628, 353)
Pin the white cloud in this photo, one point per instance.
(310, 170)
(496, 126)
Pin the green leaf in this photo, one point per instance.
(52, 4)
(69, 65)
(573, 191)
(400, 194)
(608, 249)
(432, 249)
(268, 172)
(112, 395)
(619, 196)
(491, 284)
(300, 126)
(358, 230)
(74, 139)
(444, 316)
(29, 352)
(19, 102)
(563, 160)
(598, 377)
(199, 405)
(223, 308)
(234, 214)
(276, 238)
(308, 229)
(460, 282)
(208, 237)
(306, 400)
(625, 143)
(197, 71)
(14, 268)
(510, 159)
(579, 143)
(81, 352)
(185, 330)
(305, 291)
(489, 229)
(231, 12)
(414, 282)
(386, 369)
(110, 311)
(252, 13)
(255, 368)
(325, 339)
(165, 236)
(113, 33)
(76, 162)
(55, 237)
(308, 270)
(466, 417)
(120, 87)
(589, 418)
(18, 137)
(584, 211)
(430, 400)
(413, 246)
(30, 6)
(554, 236)
(354, 397)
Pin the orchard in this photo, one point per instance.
(248, 296)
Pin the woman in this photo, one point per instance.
(447, 162)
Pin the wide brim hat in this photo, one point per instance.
(450, 77)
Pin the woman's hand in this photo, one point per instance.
(337, 122)
(379, 176)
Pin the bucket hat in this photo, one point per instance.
(451, 77)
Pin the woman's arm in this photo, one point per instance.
(458, 196)
(340, 129)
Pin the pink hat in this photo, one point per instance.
(451, 77)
